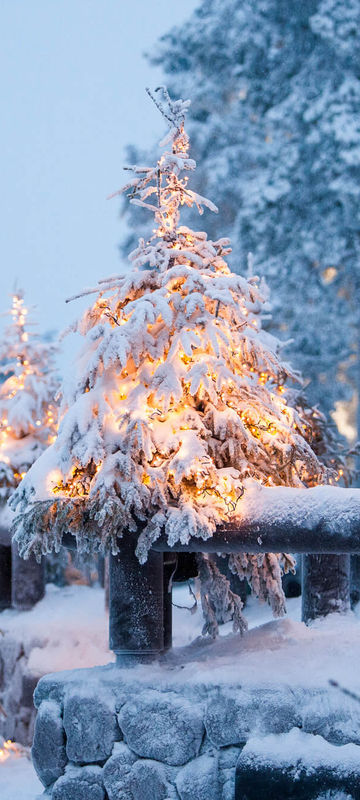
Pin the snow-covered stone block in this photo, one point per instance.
(162, 726)
(48, 751)
(296, 765)
(80, 783)
(148, 781)
(228, 757)
(117, 772)
(59, 685)
(90, 725)
(233, 714)
(199, 780)
(339, 723)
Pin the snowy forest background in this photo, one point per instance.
(275, 132)
(274, 128)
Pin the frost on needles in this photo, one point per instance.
(178, 399)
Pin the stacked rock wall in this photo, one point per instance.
(111, 734)
(17, 684)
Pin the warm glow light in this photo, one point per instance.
(8, 749)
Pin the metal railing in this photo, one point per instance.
(323, 525)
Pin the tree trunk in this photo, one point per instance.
(355, 560)
(355, 580)
(101, 570)
(325, 585)
(5, 575)
(107, 581)
(136, 605)
(27, 581)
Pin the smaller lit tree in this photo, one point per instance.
(28, 412)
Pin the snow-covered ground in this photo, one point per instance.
(69, 630)
(69, 627)
(18, 780)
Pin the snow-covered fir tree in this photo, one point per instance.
(179, 398)
(28, 412)
(274, 124)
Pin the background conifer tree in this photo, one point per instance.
(274, 124)
(28, 413)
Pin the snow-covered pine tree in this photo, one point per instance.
(274, 125)
(178, 399)
(28, 412)
(28, 418)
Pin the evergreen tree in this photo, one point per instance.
(275, 127)
(178, 399)
(28, 413)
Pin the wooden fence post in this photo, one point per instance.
(325, 585)
(137, 606)
(27, 580)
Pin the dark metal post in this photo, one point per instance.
(170, 562)
(325, 585)
(5, 569)
(136, 604)
(27, 580)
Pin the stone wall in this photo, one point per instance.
(17, 684)
(140, 734)
(44, 639)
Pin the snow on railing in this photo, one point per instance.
(324, 519)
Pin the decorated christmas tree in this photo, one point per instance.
(179, 399)
(28, 413)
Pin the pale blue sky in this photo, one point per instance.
(72, 78)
